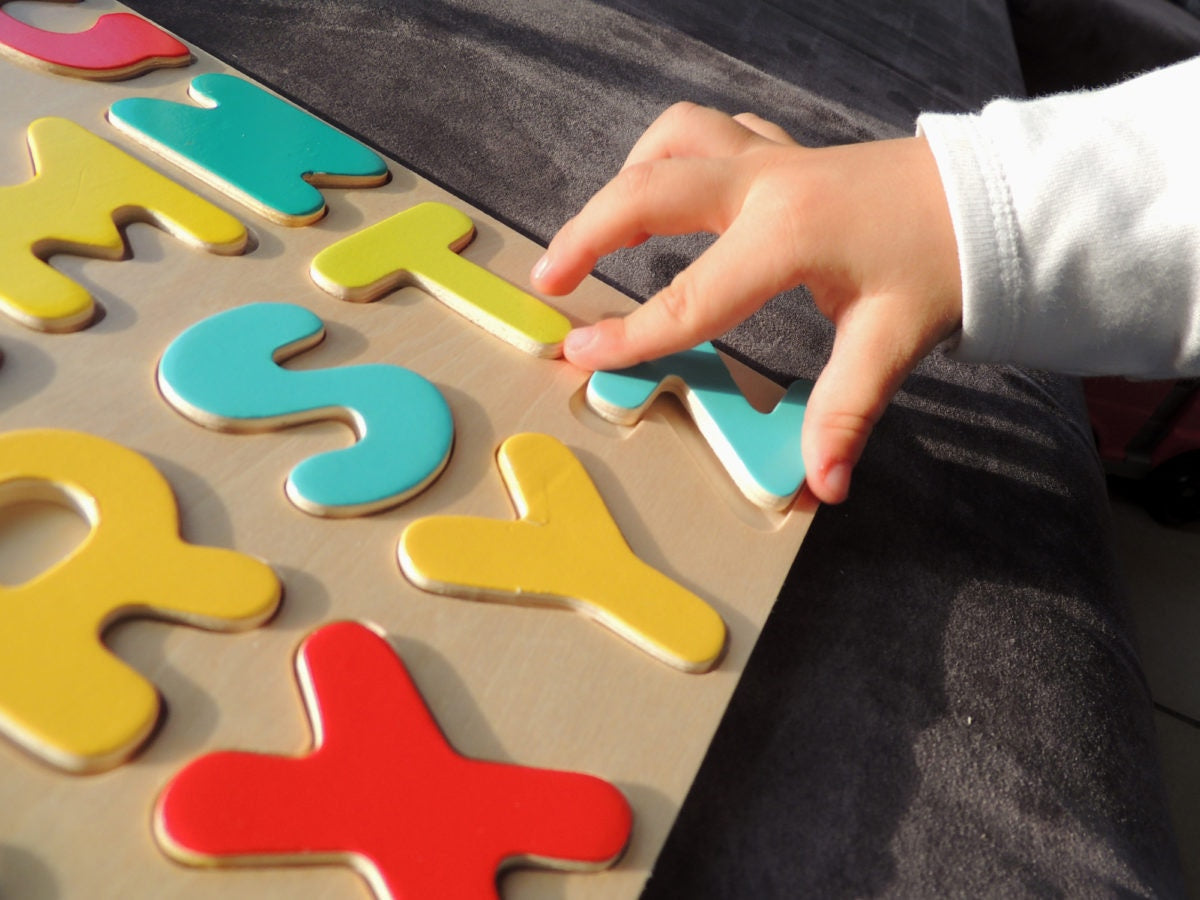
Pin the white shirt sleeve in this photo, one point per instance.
(1078, 226)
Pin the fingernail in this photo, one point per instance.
(837, 481)
(579, 339)
(541, 267)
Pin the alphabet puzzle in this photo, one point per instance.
(681, 578)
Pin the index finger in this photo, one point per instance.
(669, 196)
(717, 291)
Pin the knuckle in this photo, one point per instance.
(635, 181)
(851, 424)
(686, 117)
(752, 122)
(681, 111)
(677, 302)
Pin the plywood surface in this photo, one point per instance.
(536, 686)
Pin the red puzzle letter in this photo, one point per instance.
(383, 791)
(119, 45)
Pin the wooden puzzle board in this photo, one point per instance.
(542, 687)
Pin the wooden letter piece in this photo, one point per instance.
(117, 46)
(761, 452)
(223, 373)
(420, 246)
(382, 790)
(564, 550)
(83, 188)
(63, 696)
(251, 145)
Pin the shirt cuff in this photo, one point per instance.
(985, 228)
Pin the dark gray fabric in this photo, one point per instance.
(911, 58)
(945, 700)
(1065, 45)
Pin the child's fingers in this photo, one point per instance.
(765, 129)
(689, 130)
(723, 286)
(680, 176)
(873, 352)
(672, 196)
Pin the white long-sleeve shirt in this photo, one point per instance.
(1078, 226)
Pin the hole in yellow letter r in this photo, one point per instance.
(63, 696)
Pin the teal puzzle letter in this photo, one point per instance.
(223, 373)
(252, 145)
(760, 451)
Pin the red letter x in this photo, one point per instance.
(383, 791)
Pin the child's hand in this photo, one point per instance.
(865, 227)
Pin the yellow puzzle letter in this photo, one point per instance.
(63, 695)
(420, 246)
(564, 550)
(83, 188)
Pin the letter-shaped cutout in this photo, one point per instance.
(420, 246)
(118, 45)
(223, 373)
(251, 145)
(64, 696)
(383, 791)
(760, 451)
(83, 188)
(564, 550)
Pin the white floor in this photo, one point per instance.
(1162, 571)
